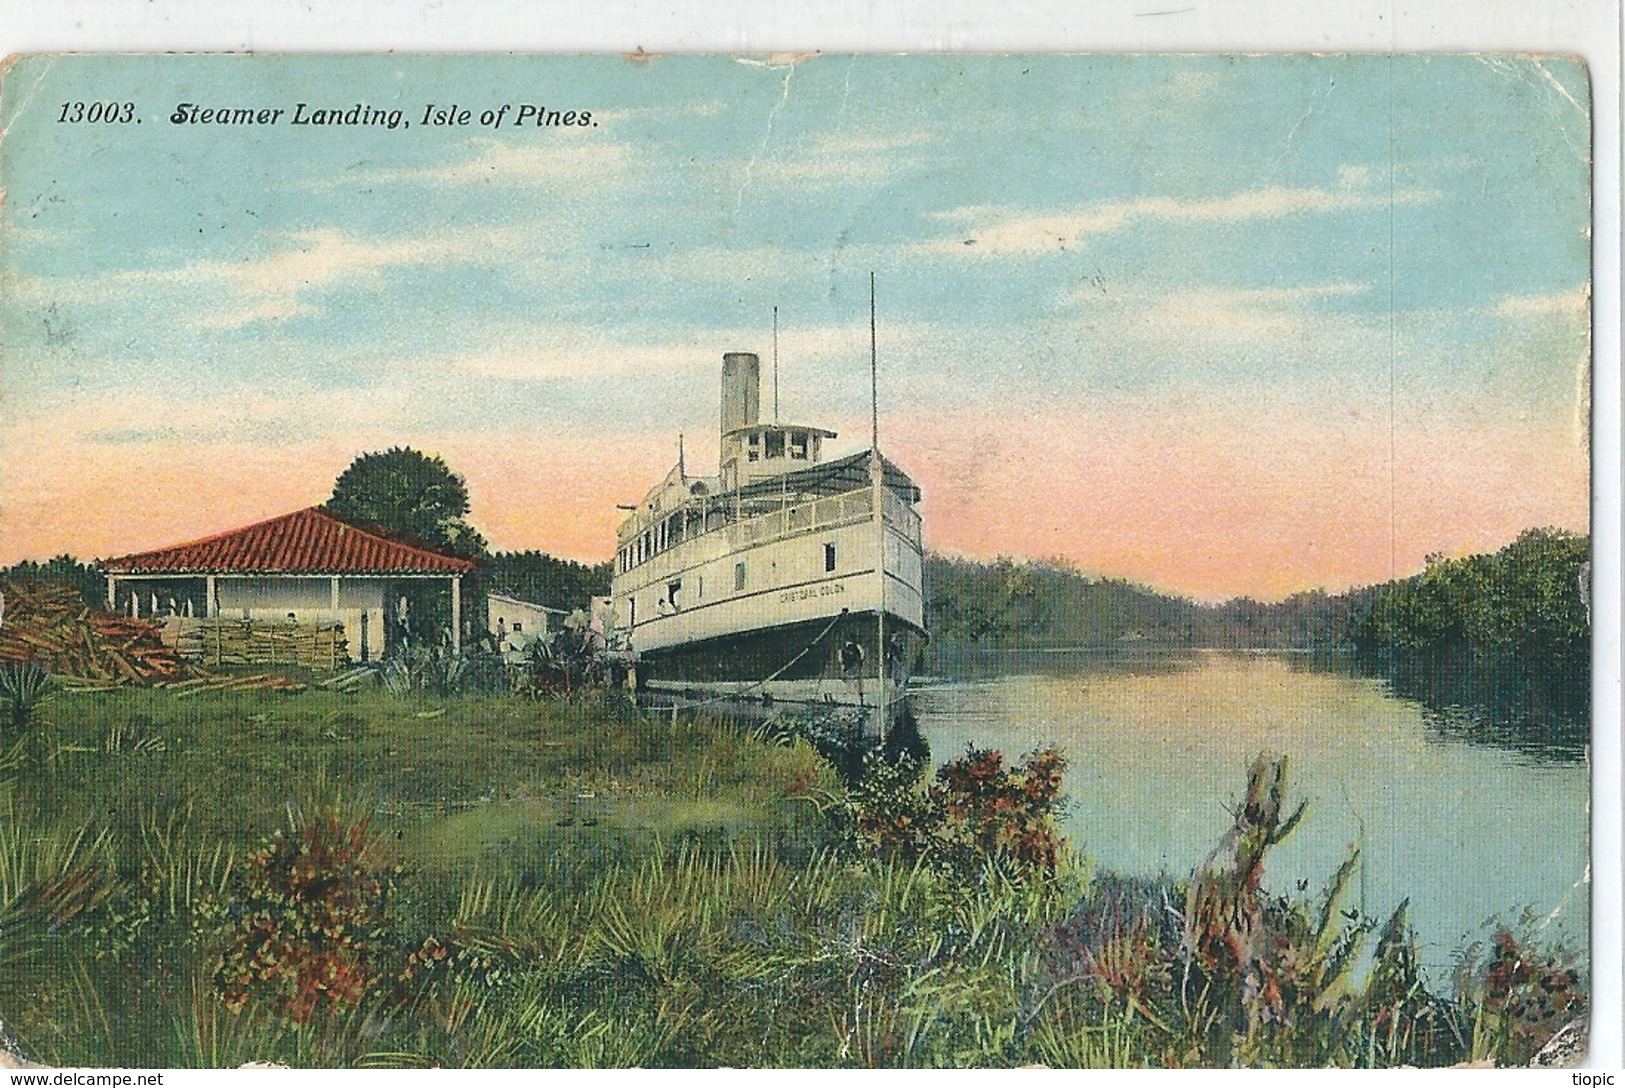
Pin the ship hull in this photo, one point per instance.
(824, 662)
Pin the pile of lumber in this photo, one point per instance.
(258, 643)
(52, 626)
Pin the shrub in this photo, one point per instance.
(53, 878)
(314, 926)
(438, 670)
(977, 813)
(562, 662)
(1526, 996)
(24, 686)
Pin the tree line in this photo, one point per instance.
(1509, 629)
(972, 604)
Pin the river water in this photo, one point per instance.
(1158, 749)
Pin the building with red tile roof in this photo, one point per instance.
(307, 565)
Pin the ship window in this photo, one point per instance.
(829, 557)
(739, 575)
(775, 445)
(632, 606)
(699, 593)
(671, 592)
(755, 451)
(798, 445)
(518, 628)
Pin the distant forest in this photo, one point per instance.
(1050, 603)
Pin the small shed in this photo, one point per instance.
(514, 622)
(307, 566)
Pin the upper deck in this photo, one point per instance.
(820, 496)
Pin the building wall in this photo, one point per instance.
(310, 599)
(531, 620)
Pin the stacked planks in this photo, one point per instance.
(258, 643)
(52, 626)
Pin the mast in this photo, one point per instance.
(775, 364)
(874, 379)
(877, 474)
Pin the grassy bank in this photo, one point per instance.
(322, 879)
(424, 765)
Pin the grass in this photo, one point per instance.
(568, 884)
(237, 760)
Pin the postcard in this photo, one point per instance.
(795, 561)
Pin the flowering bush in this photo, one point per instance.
(978, 812)
(1528, 995)
(313, 925)
(999, 813)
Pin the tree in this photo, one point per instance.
(411, 495)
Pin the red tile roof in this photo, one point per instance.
(305, 542)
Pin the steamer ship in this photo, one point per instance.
(784, 579)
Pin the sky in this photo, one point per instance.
(1222, 325)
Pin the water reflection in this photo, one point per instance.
(986, 664)
(1458, 704)
(1462, 705)
(1158, 747)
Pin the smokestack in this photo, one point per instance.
(741, 389)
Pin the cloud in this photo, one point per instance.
(1575, 304)
(1205, 313)
(586, 166)
(990, 230)
(1191, 85)
(234, 417)
(660, 113)
(276, 285)
(778, 60)
(555, 352)
(845, 159)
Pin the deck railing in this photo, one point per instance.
(808, 515)
(826, 513)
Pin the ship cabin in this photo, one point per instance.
(759, 450)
